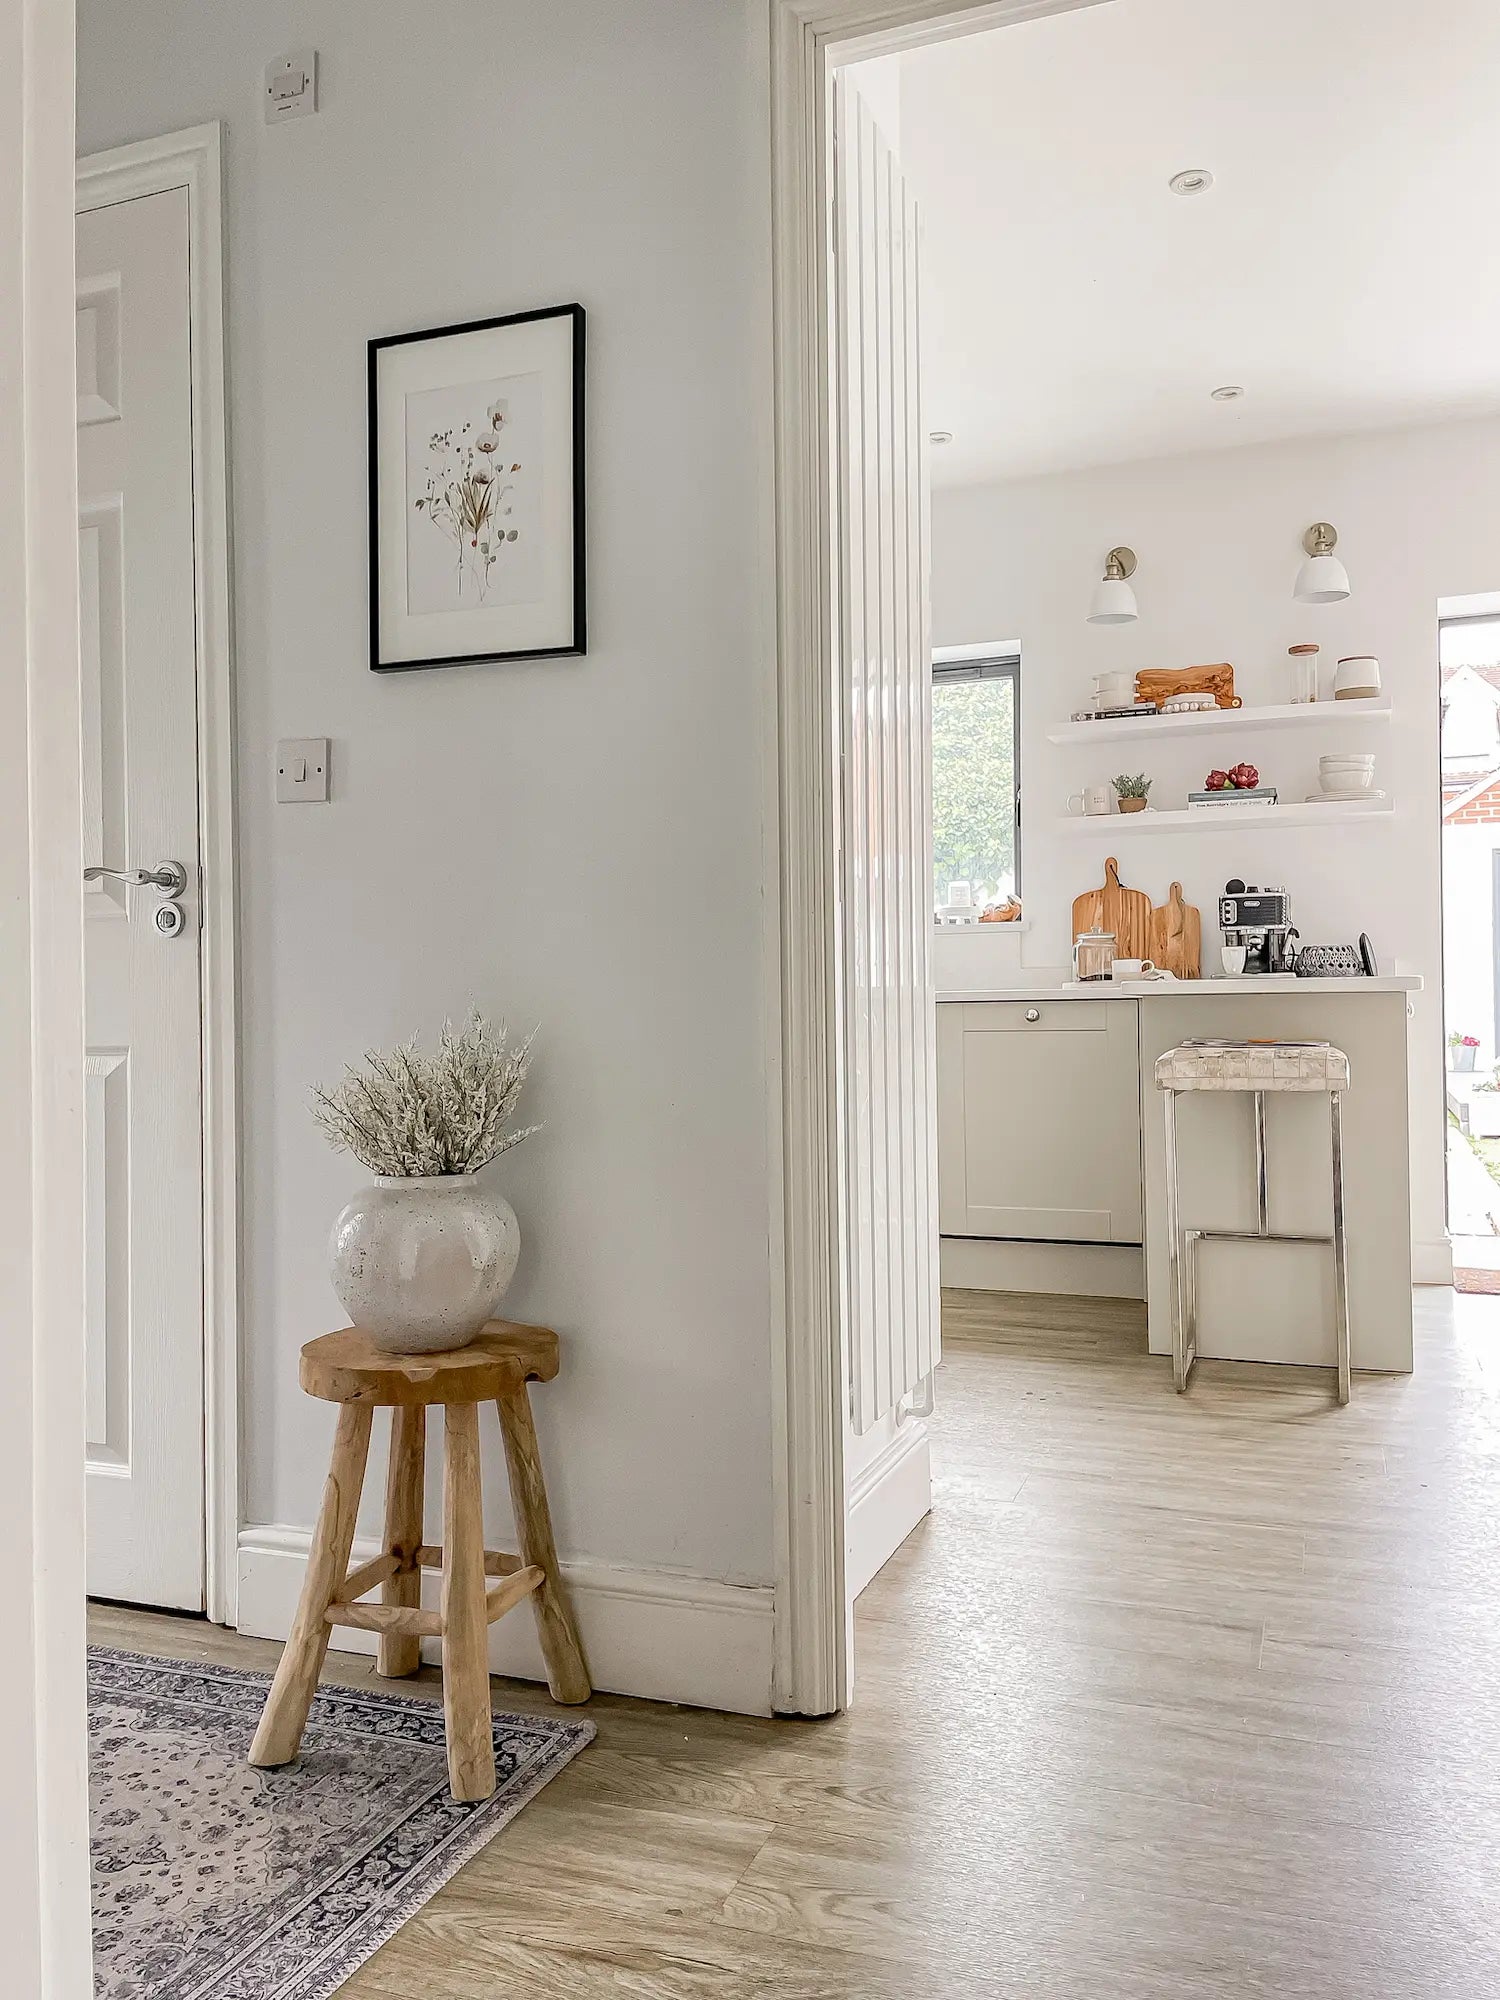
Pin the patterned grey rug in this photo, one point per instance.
(213, 1881)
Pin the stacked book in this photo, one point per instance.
(1113, 714)
(1262, 795)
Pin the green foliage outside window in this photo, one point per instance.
(974, 786)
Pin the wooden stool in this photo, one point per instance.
(348, 1369)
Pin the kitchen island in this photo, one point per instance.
(1051, 1132)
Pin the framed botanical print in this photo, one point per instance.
(476, 492)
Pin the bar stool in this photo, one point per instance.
(1260, 1068)
(348, 1369)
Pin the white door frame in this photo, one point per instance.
(809, 38)
(193, 160)
(44, 1855)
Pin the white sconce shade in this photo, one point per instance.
(1113, 602)
(1322, 579)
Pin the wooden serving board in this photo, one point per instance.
(1158, 683)
(1177, 937)
(1126, 912)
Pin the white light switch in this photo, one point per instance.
(292, 86)
(301, 770)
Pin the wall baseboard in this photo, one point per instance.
(886, 1501)
(1082, 1270)
(1432, 1263)
(645, 1632)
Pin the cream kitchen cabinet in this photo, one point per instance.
(1039, 1120)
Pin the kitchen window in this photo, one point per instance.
(976, 779)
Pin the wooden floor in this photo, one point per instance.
(1169, 1699)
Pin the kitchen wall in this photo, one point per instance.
(577, 843)
(1217, 536)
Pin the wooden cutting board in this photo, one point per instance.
(1126, 912)
(1177, 937)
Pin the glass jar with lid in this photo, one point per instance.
(1304, 660)
(1094, 955)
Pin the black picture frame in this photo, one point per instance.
(576, 640)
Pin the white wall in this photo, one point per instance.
(1217, 535)
(575, 843)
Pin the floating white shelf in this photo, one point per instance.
(1220, 819)
(1222, 721)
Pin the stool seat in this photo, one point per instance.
(1210, 1065)
(347, 1367)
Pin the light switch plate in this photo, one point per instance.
(291, 89)
(302, 770)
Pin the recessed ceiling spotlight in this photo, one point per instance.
(1230, 392)
(940, 437)
(1192, 180)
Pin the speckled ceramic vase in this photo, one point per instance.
(421, 1264)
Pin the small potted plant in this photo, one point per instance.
(1131, 792)
(422, 1257)
(1462, 1050)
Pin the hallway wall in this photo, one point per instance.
(575, 843)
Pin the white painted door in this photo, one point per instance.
(890, 1176)
(140, 791)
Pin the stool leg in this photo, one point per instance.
(466, 1666)
(1174, 1250)
(1340, 1247)
(401, 1652)
(567, 1673)
(1262, 1196)
(285, 1717)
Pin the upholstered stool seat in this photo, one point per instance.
(348, 1369)
(1259, 1068)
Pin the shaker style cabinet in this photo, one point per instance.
(1039, 1120)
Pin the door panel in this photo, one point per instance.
(886, 841)
(144, 1354)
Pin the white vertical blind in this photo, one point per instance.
(885, 715)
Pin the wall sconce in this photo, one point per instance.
(1114, 601)
(1322, 579)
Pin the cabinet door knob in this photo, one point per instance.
(1033, 1014)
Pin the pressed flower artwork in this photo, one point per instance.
(474, 458)
(476, 491)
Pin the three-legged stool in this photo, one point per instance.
(348, 1369)
(1260, 1068)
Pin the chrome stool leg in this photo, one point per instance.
(1262, 1185)
(1181, 1359)
(1340, 1247)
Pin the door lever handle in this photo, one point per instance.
(169, 876)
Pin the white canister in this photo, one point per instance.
(1356, 678)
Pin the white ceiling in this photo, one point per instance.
(1345, 266)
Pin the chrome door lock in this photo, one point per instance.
(169, 919)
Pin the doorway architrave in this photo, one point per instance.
(809, 40)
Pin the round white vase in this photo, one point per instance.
(420, 1264)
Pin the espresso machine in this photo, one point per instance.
(1260, 920)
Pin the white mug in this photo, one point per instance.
(1092, 799)
(1232, 957)
(1134, 968)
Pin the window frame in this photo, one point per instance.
(953, 664)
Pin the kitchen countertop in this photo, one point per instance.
(1247, 986)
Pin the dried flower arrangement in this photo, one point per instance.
(403, 1114)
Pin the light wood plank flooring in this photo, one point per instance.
(1192, 1697)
